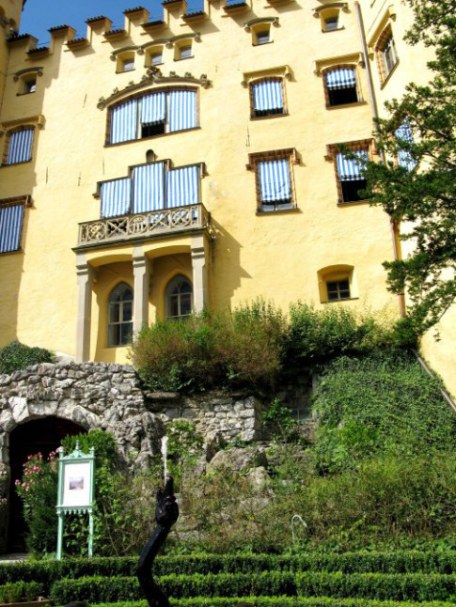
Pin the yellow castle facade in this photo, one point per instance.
(166, 166)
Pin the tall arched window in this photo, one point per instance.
(179, 296)
(120, 315)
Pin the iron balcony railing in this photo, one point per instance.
(144, 225)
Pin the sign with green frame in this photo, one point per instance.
(76, 491)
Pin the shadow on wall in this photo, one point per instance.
(226, 272)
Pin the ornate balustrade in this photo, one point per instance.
(144, 225)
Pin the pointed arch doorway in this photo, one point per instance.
(38, 435)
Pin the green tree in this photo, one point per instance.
(419, 192)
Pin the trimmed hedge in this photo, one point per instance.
(280, 601)
(397, 587)
(14, 592)
(46, 572)
(382, 586)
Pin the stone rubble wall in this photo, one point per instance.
(110, 397)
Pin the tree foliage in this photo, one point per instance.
(422, 196)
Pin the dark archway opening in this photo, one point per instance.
(39, 435)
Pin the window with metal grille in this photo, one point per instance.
(338, 289)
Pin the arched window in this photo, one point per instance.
(179, 296)
(120, 315)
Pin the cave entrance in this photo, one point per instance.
(35, 436)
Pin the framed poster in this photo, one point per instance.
(77, 481)
(76, 491)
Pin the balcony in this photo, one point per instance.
(141, 226)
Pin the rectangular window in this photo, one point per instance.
(262, 37)
(151, 187)
(11, 219)
(19, 146)
(148, 187)
(338, 289)
(267, 98)
(183, 186)
(331, 23)
(341, 86)
(274, 183)
(156, 58)
(389, 54)
(349, 173)
(128, 65)
(153, 114)
(124, 122)
(185, 52)
(386, 53)
(404, 137)
(115, 197)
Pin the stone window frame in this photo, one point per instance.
(110, 341)
(333, 149)
(24, 201)
(359, 94)
(293, 158)
(252, 83)
(386, 38)
(173, 283)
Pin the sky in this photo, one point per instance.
(39, 15)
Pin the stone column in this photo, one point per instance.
(141, 277)
(84, 315)
(199, 270)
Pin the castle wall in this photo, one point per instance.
(274, 255)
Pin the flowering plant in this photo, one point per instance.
(38, 491)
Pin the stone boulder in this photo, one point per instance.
(239, 459)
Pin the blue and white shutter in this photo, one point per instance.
(115, 197)
(340, 78)
(149, 187)
(275, 182)
(182, 110)
(404, 134)
(349, 169)
(20, 146)
(183, 186)
(153, 108)
(124, 122)
(267, 95)
(10, 227)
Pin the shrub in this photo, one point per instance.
(14, 592)
(212, 349)
(16, 356)
(383, 404)
(396, 587)
(38, 490)
(316, 336)
(124, 505)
